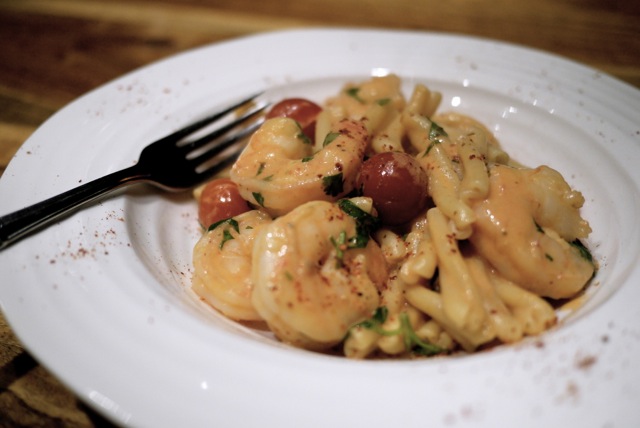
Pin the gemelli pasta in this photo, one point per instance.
(374, 226)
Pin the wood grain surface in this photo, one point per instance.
(52, 51)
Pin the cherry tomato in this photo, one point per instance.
(397, 184)
(220, 200)
(301, 110)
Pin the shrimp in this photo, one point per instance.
(310, 286)
(279, 171)
(526, 229)
(222, 265)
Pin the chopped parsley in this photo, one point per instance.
(307, 158)
(365, 223)
(353, 93)
(226, 236)
(383, 101)
(431, 145)
(584, 251)
(226, 233)
(411, 340)
(538, 227)
(260, 168)
(302, 136)
(340, 245)
(377, 319)
(436, 132)
(576, 243)
(329, 138)
(230, 221)
(333, 185)
(259, 198)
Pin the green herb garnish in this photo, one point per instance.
(431, 145)
(353, 93)
(411, 340)
(329, 138)
(259, 198)
(230, 221)
(226, 234)
(340, 245)
(538, 227)
(436, 132)
(333, 185)
(584, 251)
(365, 223)
(377, 319)
(302, 136)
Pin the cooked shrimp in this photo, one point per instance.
(524, 229)
(309, 285)
(279, 171)
(222, 265)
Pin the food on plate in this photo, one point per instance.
(219, 200)
(308, 285)
(373, 226)
(398, 184)
(279, 169)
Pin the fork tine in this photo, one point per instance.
(225, 152)
(187, 130)
(195, 147)
(157, 164)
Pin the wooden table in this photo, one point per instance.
(53, 51)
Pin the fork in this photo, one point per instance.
(176, 162)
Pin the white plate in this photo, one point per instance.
(102, 299)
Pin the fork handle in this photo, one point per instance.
(18, 224)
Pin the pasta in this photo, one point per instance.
(332, 263)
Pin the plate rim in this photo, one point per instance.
(118, 412)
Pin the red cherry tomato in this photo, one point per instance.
(397, 184)
(301, 110)
(220, 199)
